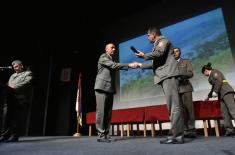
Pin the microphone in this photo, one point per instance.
(6, 67)
(134, 49)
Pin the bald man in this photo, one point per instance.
(105, 89)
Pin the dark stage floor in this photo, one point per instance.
(122, 146)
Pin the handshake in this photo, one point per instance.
(134, 65)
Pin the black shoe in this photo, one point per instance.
(3, 139)
(190, 135)
(12, 138)
(105, 140)
(164, 141)
(229, 134)
(5, 135)
(172, 141)
(108, 137)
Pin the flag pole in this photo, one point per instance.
(78, 102)
(77, 134)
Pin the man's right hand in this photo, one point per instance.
(133, 65)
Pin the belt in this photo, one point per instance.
(225, 81)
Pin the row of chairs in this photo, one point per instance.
(204, 111)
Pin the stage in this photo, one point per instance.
(138, 145)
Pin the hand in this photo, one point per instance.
(133, 65)
(179, 78)
(140, 54)
(214, 94)
(206, 99)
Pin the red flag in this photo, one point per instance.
(78, 107)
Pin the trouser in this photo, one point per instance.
(188, 110)
(104, 106)
(228, 110)
(175, 108)
(11, 117)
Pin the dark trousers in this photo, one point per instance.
(104, 106)
(11, 116)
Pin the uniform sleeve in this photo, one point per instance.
(210, 93)
(189, 71)
(106, 62)
(218, 82)
(159, 50)
(147, 66)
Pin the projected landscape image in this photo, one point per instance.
(202, 39)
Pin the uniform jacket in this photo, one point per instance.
(22, 84)
(185, 73)
(216, 79)
(20, 81)
(163, 64)
(105, 79)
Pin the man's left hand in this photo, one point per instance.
(140, 54)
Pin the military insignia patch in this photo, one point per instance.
(161, 44)
(216, 74)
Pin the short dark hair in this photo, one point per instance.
(177, 48)
(206, 67)
(154, 30)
